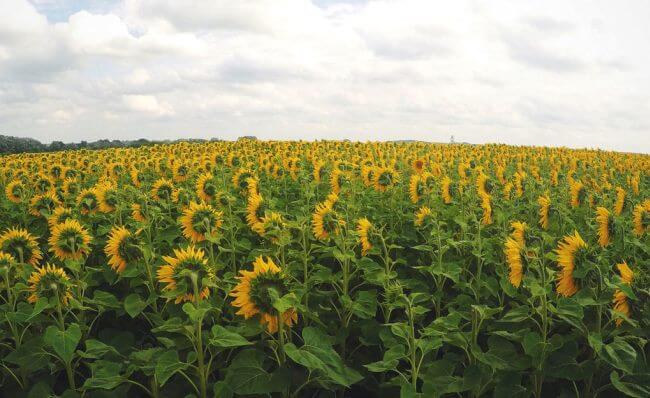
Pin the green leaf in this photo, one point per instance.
(133, 305)
(168, 364)
(226, 338)
(619, 354)
(635, 386)
(365, 304)
(65, 342)
(96, 349)
(105, 375)
(246, 375)
(195, 313)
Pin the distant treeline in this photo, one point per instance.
(17, 144)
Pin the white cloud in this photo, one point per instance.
(384, 69)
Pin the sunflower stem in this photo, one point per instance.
(199, 339)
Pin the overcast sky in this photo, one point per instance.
(562, 73)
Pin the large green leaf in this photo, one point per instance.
(64, 342)
(168, 364)
(225, 338)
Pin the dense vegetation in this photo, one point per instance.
(292, 269)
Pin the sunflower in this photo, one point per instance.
(512, 251)
(421, 215)
(254, 213)
(415, 188)
(49, 281)
(317, 173)
(445, 190)
(385, 177)
(507, 190)
(122, 248)
(577, 190)
(364, 227)
(641, 218)
(255, 292)
(604, 226)
(200, 220)
(544, 208)
(180, 172)
(518, 232)
(418, 165)
(337, 178)
(367, 175)
(272, 225)
(43, 204)
(15, 191)
(106, 197)
(486, 205)
(87, 201)
(70, 187)
(181, 272)
(324, 221)
(620, 201)
(21, 245)
(137, 214)
(7, 261)
(239, 180)
(136, 177)
(59, 215)
(621, 304)
(69, 240)
(206, 189)
(566, 256)
(162, 190)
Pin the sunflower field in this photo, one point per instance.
(325, 269)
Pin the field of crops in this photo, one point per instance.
(326, 269)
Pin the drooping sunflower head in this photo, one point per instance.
(44, 204)
(641, 218)
(15, 191)
(256, 292)
(567, 252)
(577, 190)
(7, 262)
(385, 177)
(43, 184)
(59, 215)
(422, 216)
(122, 248)
(418, 165)
(324, 221)
(206, 188)
(239, 180)
(544, 210)
(69, 240)
(416, 188)
(21, 245)
(605, 226)
(364, 229)
(185, 273)
(445, 190)
(162, 190)
(200, 220)
(137, 212)
(255, 212)
(181, 172)
(182, 197)
(620, 201)
(486, 205)
(274, 226)
(621, 304)
(87, 201)
(107, 197)
(50, 282)
(519, 231)
(513, 250)
(71, 187)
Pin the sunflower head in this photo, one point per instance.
(385, 177)
(44, 204)
(621, 304)
(21, 245)
(122, 248)
(605, 226)
(15, 191)
(513, 250)
(577, 190)
(206, 188)
(569, 252)
(619, 206)
(258, 289)
(364, 229)
(255, 212)
(325, 221)
(200, 220)
(107, 197)
(59, 215)
(641, 218)
(69, 240)
(544, 210)
(274, 226)
(162, 190)
(186, 273)
(422, 216)
(87, 201)
(50, 282)
(7, 261)
(446, 190)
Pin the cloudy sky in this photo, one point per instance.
(520, 72)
